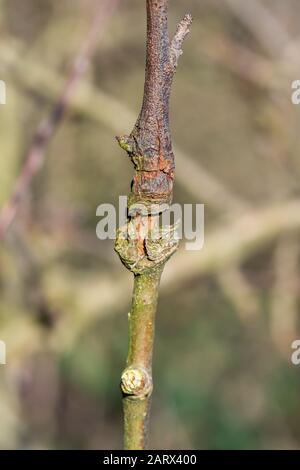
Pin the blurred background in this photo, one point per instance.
(227, 314)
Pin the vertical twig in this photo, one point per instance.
(150, 149)
(34, 157)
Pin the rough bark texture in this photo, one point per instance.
(143, 250)
(149, 145)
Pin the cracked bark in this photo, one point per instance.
(149, 147)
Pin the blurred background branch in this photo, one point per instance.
(35, 154)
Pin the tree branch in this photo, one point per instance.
(149, 145)
(150, 149)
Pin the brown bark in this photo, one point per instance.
(149, 144)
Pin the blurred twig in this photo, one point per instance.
(284, 305)
(34, 157)
(235, 242)
(240, 292)
(272, 36)
(241, 61)
(273, 75)
(264, 26)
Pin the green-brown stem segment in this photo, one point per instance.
(136, 381)
(143, 252)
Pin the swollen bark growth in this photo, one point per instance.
(150, 149)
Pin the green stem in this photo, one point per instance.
(137, 377)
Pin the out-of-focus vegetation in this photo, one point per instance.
(227, 317)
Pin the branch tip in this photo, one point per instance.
(181, 32)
